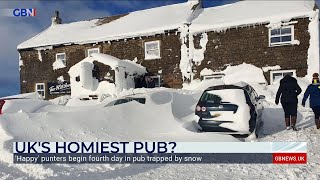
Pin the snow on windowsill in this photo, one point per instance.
(295, 42)
(152, 58)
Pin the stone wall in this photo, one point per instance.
(251, 45)
(35, 71)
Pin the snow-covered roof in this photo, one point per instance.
(248, 12)
(130, 66)
(160, 19)
(135, 24)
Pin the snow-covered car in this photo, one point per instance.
(232, 109)
(126, 99)
(13, 105)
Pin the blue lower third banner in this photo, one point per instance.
(160, 152)
(143, 158)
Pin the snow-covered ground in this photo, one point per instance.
(167, 116)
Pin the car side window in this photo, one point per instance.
(120, 101)
(255, 94)
(251, 93)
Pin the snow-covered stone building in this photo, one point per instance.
(177, 43)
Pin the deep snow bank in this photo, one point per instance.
(233, 74)
(156, 120)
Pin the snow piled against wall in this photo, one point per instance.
(205, 72)
(60, 79)
(313, 51)
(121, 67)
(243, 72)
(39, 55)
(197, 55)
(271, 68)
(190, 54)
(233, 74)
(185, 65)
(58, 64)
(20, 62)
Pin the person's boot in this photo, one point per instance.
(317, 121)
(287, 120)
(293, 123)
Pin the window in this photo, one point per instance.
(40, 88)
(156, 81)
(152, 50)
(276, 76)
(61, 57)
(213, 76)
(93, 50)
(283, 35)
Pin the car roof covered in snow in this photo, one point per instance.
(248, 12)
(135, 24)
(239, 85)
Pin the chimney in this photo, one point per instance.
(56, 19)
(196, 3)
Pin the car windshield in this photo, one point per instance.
(211, 98)
(222, 96)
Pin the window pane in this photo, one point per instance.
(91, 51)
(288, 73)
(156, 80)
(277, 76)
(286, 38)
(40, 87)
(275, 40)
(153, 52)
(61, 56)
(275, 32)
(286, 31)
(152, 46)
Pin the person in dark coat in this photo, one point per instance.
(289, 91)
(150, 82)
(313, 91)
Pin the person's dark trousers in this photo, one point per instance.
(316, 111)
(287, 120)
(293, 121)
(290, 113)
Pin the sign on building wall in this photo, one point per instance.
(59, 88)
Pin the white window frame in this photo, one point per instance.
(281, 71)
(65, 58)
(145, 50)
(41, 90)
(92, 49)
(281, 43)
(213, 76)
(159, 79)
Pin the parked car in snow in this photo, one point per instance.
(15, 104)
(232, 109)
(138, 98)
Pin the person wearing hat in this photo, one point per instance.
(289, 91)
(313, 91)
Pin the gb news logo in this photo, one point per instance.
(22, 12)
(18, 12)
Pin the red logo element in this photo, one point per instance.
(289, 158)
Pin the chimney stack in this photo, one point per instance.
(56, 19)
(196, 3)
